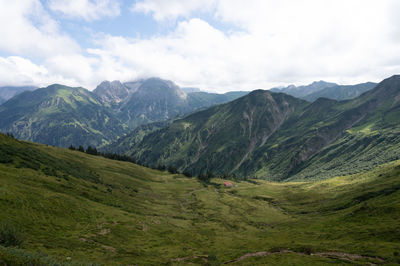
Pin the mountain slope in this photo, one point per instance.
(220, 138)
(76, 209)
(60, 115)
(277, 137)
(341, 92)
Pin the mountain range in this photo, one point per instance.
(127, 105)
(279, 137)
(76, 207)
(60, 115)
(151, 100)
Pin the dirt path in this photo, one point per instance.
(203, 257)
(332, 255)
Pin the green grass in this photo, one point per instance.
(73, 208)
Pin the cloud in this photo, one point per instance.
(172, 9)
(18, 71)
(26, 29)
(88, 10)
(267, 43)
(279, 42)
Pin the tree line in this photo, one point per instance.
(203, 177)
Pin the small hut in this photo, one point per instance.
(228, 184)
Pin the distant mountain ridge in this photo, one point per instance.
(304, 90)
(341, 92)
(322, 89)
(279, 137)
(7, 92)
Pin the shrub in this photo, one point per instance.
(172, 169)
(187, 174)
(72, 148)
(213, 260)
(5, 158)
(9, 236)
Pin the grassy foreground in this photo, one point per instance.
(72, 208)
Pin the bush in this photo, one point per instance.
(187, 174)
(72, 148)
(29, 164)
(172, 169)
(5, 158)
(213, 260)
(9, 236)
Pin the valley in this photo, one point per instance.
(308, 182)
(182, 132)
(74, 208)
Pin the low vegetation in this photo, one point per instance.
(68, 207)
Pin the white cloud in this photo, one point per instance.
(172, 9)
(279, 42)
(15, 70)
(26, 29)
(86, 9)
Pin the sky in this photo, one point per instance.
(215, 45)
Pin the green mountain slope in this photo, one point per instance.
(221, 138)
(276, 137)
(72, 208)
(128, 141)
(341, 92)
(60, 115)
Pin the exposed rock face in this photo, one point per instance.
(112, 92)
(154, 99)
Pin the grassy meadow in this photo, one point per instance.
(67, 207)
